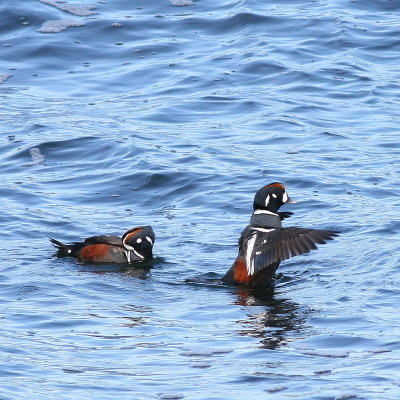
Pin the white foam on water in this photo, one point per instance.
(80, 11)
(4, 77)
(180, 3)
(37, 157)
(54, 26)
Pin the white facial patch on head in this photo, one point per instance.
(274, 195)
(285, 197)
(149, 240)
(266, 201)
(139, 240)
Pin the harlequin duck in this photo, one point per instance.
(134, 245)
(263, 244)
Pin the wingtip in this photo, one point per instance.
(334, 233)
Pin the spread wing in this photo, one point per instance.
(104, 239)
(263, 247)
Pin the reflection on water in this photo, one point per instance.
(275, 325)
(279, 320)
(140, 270)
(136, 315)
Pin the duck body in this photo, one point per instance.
(135, 245)
(264, 243)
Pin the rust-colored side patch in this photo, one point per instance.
(94, 252)
(240, 273)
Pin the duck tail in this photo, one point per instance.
(63, 249)
(58, 244)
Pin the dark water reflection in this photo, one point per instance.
(278, 321)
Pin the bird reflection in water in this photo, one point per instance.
(139, 273)
(136, 315)
(140, 270)
(279, 322)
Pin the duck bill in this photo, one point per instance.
(291, 201)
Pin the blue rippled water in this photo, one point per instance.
(120, 113)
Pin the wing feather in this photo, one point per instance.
(309, 243)
(104, 239)
(281, 244)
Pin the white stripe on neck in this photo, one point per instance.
(264, 229)
(256, 212)
(128, 253)
(137, 254)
